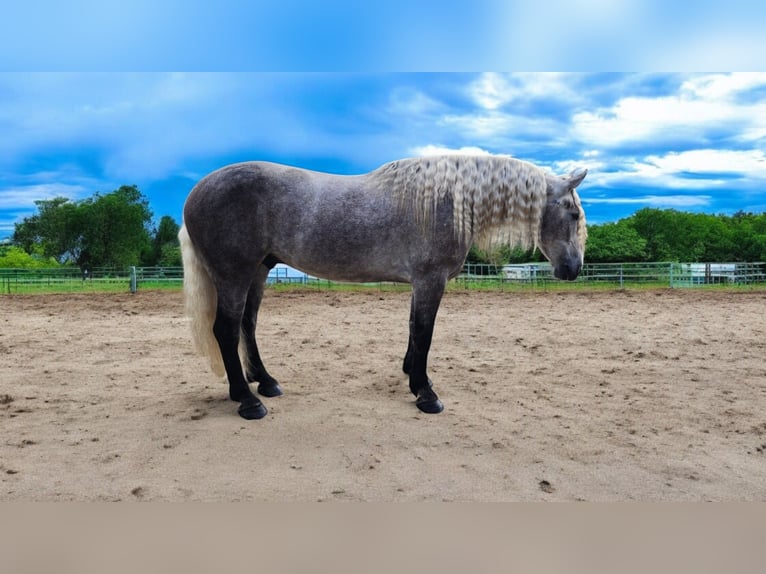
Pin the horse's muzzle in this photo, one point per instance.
(568, 270)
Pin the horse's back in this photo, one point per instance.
(332, 226)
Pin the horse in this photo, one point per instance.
(411, 221)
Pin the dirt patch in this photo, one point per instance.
(656, 395)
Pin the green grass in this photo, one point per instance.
(161, 284)
(63, 286)
(52, 286)
(122, 285)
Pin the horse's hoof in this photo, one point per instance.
(252, 409)
(429, 406)
(270, 390)
(427, 401)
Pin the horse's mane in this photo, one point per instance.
(495, 199)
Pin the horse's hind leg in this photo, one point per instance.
(256, 371)
(407, 363)
(426, 296)
(226, 328)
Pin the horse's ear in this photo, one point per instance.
(575, 178)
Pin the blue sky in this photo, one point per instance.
(694, 142)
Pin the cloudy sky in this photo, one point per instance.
(693, 142)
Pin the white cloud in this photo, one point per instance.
(24, 197)
(412, 102)
(718, 86)
(481, 126)
(694, 170)
(431, 150)
(712, 161)
(664, 201)
(491, 90)
(502, 130)
(636, 119)
(500, 113)
(568, 166)
(701, 105)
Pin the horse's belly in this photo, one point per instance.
(357, 272)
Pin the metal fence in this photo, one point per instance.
(677, 274)
(621, 275)
(530, 275)
(73, 279)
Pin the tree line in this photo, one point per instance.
(105, 230)
(116, 230)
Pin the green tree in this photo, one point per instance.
(103, 230)
(656, 227)
(26, 234)
(748, 236)
(671, 235)
(170, 256)
(55, 230)
(165, 247)
(614, 242)
(18, 258)
(115, 228)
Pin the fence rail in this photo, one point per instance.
(531, 275)
(668, 274)
(73, 279)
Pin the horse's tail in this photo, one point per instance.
(201, 302)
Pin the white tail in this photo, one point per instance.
(201, 303)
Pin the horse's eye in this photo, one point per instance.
(576, 215)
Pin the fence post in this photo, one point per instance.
(133, 280)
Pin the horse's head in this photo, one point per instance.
(562, 231)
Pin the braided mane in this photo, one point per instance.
(495, 199)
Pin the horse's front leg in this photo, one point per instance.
(426, 296)
(227, 331)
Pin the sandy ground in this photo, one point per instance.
(650, 396)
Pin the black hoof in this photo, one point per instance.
(251, 409)
(270, 389)
(427, 401)
(429, 406)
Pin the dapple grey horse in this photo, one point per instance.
(411, 220)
